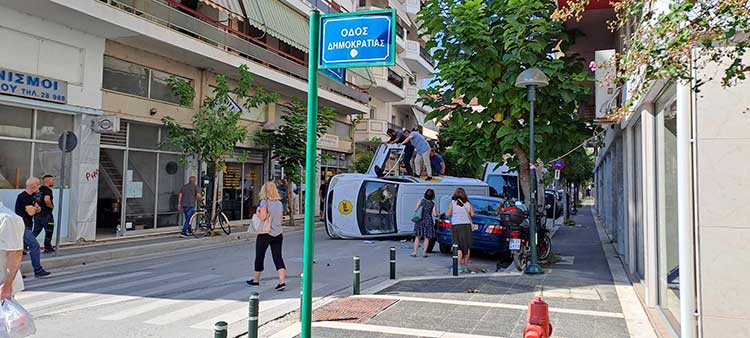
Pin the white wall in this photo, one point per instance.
(37, 46)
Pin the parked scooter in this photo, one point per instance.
(516, 219)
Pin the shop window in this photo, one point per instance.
(143, 136)
(140, 188)
(47, 161)
(49, 126)
(15, 121)
(171, 179)
(14, 164)
(125, 77)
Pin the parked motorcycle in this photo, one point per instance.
(516, 219)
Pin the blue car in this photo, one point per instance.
(490, 235)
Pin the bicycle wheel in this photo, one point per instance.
(224, 223)
(199, 225)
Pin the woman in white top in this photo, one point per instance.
(461, 212)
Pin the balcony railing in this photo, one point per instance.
(394, 126)
(399, 30)
(173, 15)
(425, 54)
(395, 79)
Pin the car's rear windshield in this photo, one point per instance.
(485, 207)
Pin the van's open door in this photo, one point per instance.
(387, 158)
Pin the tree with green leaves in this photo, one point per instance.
(480, 48)
(287, 142)
(365, 153)
(215, 132)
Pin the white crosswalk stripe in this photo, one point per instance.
(30, 294)
(107, 300)
(77, 296)
(161, 303)
(200, 308)
(57, 280)
(242, 313)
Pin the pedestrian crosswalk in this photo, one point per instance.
(154, 298)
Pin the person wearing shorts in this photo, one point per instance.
(460, 211)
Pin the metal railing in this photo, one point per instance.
(394, 126)
(395, 79)
(425, 54)
(175, 16)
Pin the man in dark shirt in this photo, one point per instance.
(27, 205)
(322, 195)
(437, 163)
(186, 199)
(45, 220)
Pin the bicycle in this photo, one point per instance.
(201, 225)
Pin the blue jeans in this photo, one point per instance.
(188, 213)
(30, 243)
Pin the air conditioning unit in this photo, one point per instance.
(106, 124)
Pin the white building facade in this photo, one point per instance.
(113, 58)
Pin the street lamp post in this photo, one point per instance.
(532, 79)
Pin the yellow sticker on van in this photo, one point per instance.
(345, 207)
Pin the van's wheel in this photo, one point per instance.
(445, 248)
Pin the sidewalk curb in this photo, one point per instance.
(636, 318)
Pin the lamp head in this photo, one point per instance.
(532, 77)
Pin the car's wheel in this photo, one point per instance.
(431, 244)
(445, 248)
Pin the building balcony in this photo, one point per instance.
(418, 59)
(367, 129)
(167, 28)
(388, 86)
(412, 8)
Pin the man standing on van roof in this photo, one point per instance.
(423, 151)
(398, 137)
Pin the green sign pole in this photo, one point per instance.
(312, 145)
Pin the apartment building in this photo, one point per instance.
(666, 194)
(394, 90)
(113, 58)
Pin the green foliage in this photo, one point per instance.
(480, 48)
(365, 153)
(456, 165)
(183, 90)
(215, 130)
(287, 142)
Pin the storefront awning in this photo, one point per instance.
(280, 21)
(231, 7)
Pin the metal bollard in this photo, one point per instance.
(220, 329)
(356, 275)
(454, 250)
(393, 263)
(252, 319)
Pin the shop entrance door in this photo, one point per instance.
(109, 206)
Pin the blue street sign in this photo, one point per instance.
(338, 74)
(358, 39)
(558, 164)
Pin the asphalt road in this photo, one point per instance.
(183, 294)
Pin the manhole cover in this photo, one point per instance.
(355, 310)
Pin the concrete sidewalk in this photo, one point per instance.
(585, 297)
(143, 247)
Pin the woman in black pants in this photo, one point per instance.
(270, 206)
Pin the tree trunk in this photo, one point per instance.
(215, 192)
(290, 200)
(524, 174)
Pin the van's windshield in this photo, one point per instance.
(379, 213)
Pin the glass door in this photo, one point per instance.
(231, 198)
(252, 182)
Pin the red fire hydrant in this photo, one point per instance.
(538, 320)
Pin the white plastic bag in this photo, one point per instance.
(17, 322)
